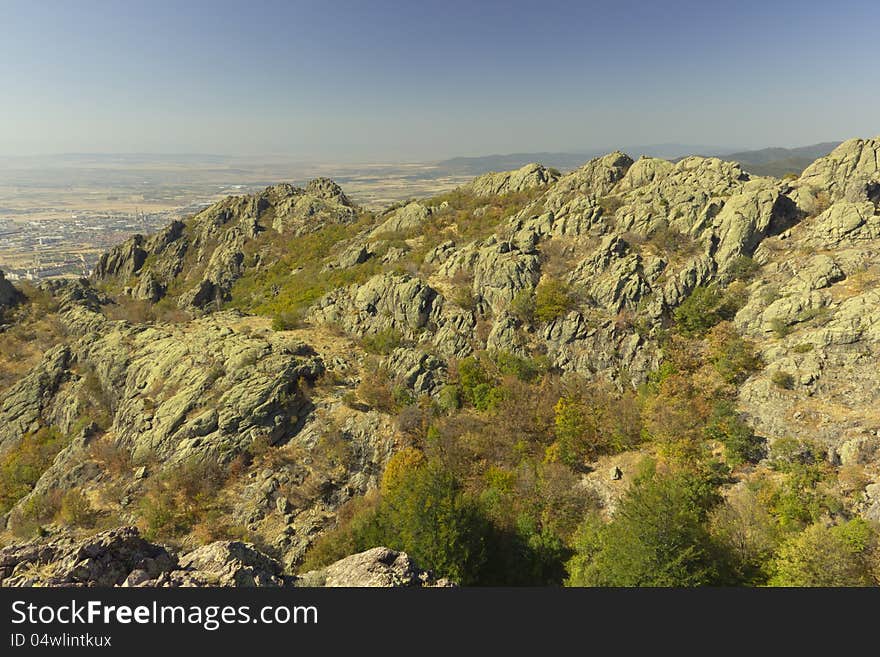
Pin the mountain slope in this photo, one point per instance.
(504, 347)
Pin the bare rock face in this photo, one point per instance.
(408, 218)
(378, 567)
(531, 176)
(155, 380)
(328, 190)
(224, 563)
(851, 172)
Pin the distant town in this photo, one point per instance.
(32, 249)
(59, 213)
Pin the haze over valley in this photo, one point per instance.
(58, 213)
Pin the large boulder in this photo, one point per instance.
(531, 176)
(378, 567)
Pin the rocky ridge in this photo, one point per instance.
(628, 241)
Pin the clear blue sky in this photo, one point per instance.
(428, 79)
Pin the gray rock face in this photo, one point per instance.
(385, 302)
(32, 399)
(123, 261)
(499, 270)
(596, 178)
(326, 189)
(224, 563)
(844, 224)
(850, 172)
(408, 218)
(155, 382)
(531, 176)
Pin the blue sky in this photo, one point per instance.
(420, 80)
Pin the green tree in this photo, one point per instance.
(658, 537)
(698, 313)
(553, 299)
(749, 534)
(733, 357)
(741, 445)
(842, 555)
(428, 515)
(22, 465)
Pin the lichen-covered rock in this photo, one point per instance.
(596, 178)
(121, 557)
(408, 218)
(531, 176)
(850, 172)
(223, 563)
(844, 224)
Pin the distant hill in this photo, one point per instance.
(764, 162)
(475, 166)
(780, 161)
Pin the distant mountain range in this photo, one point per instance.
(781, 161)
(764, 162)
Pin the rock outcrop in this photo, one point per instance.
(106, 559)
(121, 557)
(531, 176)
(204, 257)
(378, 567)
(390, 303)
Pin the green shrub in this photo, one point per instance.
(76, 510)
(803, 348)
(658, 537)
(474, 380)
(698, 313)
(449, 398)
(741, 445)
(22, 465)
(783, 379)
(743, 268)
(178, 497)
(524, 369)
(553, 299)
(780, 327)
(708, 305)
(522, 307)
(382, 342)
(733, 357)
(841, 555)
(426, 514)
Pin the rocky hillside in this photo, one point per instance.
(273, 368)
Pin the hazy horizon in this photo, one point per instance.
(393, 81)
